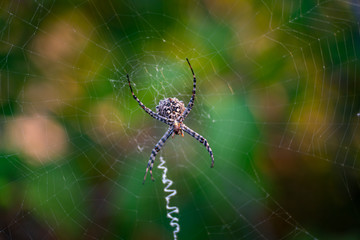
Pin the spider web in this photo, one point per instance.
(277, 99)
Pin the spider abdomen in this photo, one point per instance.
(171, 108)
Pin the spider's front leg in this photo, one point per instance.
(201, 139)
(155, 150)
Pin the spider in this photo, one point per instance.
(172, 112)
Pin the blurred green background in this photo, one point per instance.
(277, 99)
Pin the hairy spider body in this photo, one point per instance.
(178, 128)
(173, 112)
(172, 108)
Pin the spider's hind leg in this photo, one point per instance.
(154, 152)
(148, 110)
(191, 102)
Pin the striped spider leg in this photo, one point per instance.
(201, 139)
(172, 112)
(148, 110)
(155, 150)
(191, 102)
(188, 130)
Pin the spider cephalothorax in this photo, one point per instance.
(172, 112)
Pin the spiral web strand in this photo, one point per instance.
(174, 221)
